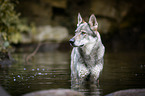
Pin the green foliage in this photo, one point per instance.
(11, 26)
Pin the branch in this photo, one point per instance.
(33, 53)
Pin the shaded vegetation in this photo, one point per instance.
(11, 25)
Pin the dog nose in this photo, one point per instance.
(72, 40)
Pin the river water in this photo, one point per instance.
(51, 70)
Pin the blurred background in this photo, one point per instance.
(121, 22)
(35, 52)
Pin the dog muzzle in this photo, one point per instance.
(72, 41)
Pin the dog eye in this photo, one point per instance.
(83, 33)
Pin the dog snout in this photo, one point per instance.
(72, 41)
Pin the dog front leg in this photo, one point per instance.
(83, 72)
(96, 71)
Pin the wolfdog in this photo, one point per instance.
(88, 50)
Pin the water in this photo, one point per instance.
(51, 70)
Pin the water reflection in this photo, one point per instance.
(120, 71)
(87, 87)
(46, 71)
(51, 70)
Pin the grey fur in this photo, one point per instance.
(88, 50)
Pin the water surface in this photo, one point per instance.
(51, 70)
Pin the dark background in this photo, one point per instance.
(121, 22)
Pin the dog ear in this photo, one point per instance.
(80, 20)
(93, 22)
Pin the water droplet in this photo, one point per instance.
(19, 76)
(14, 79)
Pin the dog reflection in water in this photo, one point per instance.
(88, 51)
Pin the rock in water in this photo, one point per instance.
(129, 92)
(55, 92)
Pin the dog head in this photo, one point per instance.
(85, 33)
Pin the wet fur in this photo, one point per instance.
(88, 51)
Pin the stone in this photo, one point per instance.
(112, 8)
(104, 25)
(109, 13)
(3, 92)
(129, 92)
(55, 92)
(46, 33)
(56, 3)
(49, 33)
(103, 8)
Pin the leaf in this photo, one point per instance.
(15, 38)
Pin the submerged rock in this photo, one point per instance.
(129, 92)
(55, 92)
